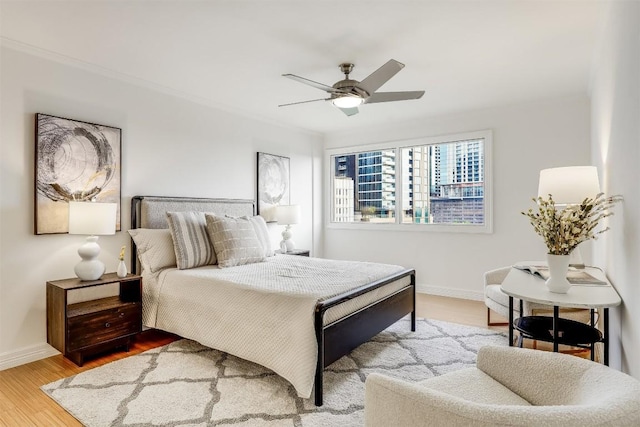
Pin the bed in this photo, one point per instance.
(322, 309)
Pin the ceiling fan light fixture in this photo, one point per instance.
(347, 101)
(348, 94)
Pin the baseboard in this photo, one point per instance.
(24, 355)
(449, 292)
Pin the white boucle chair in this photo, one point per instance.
(509, 386)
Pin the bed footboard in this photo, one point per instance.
(344, 335)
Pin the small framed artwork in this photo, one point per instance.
(273, 184)
(74, 161)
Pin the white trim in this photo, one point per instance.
(487, 228)
(414, 228)
(449, 292)
(24, 355)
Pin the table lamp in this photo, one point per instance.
(287, 215)
(92, 219)
(569, 185)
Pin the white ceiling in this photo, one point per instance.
(231, 54)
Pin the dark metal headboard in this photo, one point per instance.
(151, 212)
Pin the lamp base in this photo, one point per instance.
(89, 268)
(287, 244)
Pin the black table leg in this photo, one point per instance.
(510, 321)
(556, 312)
(521, 308)
(605, 339)
(593, 345)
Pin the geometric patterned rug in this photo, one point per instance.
(187, 384)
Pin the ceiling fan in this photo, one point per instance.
(348, 94)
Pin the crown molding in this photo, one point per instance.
(146, 84)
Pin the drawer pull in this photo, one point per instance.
(106, 325)
(122, 314)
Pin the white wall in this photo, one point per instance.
(615, 117)
(526, 138)
(170, 146)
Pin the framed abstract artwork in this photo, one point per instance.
(74, 161)
(273, 184)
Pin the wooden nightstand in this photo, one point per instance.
(299, 252)
(85, 328)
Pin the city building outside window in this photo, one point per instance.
(441, 183)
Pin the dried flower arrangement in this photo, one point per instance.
(563, 230)
(121, 257)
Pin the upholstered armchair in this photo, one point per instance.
(509, 386)
(494, 298)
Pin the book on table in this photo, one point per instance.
(574, 276)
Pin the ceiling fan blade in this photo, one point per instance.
(394, 96)
(312, 83)
(349, 111)
(303, 102)
(380, 76)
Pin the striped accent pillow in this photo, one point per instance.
(234, 240)
(190, 239)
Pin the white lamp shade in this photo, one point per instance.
(92, 218)
(288, 214)
(569, 185)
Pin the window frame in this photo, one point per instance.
(398, 146)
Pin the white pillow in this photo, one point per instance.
(154, 247)
(190, 239)
(260, 226)
(234, 240)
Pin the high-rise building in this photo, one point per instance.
(408, 157)
(372, 175)
(345, 166)
(417, 174)
(343, 199)
(457, 185)
(376, 182)
(445, 183)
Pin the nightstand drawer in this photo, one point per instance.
(101, 326)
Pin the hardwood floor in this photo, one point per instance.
(22, 403)
(466, 312)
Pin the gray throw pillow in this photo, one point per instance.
(190, 239)
(234, 240)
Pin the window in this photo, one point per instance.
(440, 183)
(366, 182)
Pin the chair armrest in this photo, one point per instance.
(496, 277)
(519, 370)
(393, 402)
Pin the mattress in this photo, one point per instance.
(262, 312)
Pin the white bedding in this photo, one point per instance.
(261, 312)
